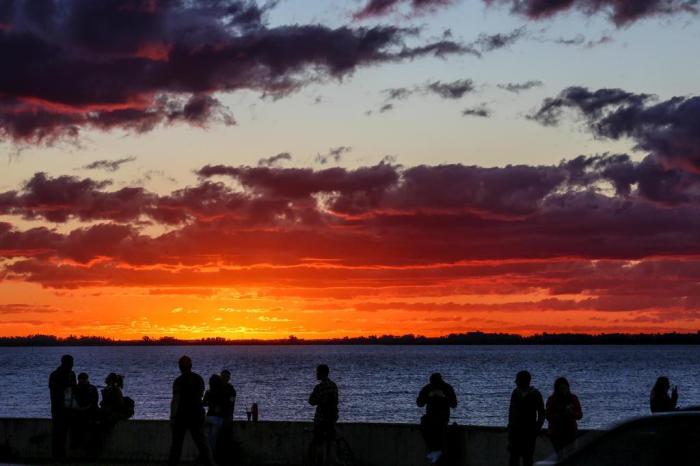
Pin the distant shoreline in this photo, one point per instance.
(464, 339)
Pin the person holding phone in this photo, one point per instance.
(659, 400)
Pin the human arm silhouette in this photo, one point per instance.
(451, 397)
(539, 405)
(422, 397)
(314, 397)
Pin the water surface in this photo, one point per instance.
(377, 383)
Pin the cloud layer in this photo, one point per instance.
(78, 64)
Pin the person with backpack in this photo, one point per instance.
(114, 405)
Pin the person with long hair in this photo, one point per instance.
(563, 410)
(659, 399)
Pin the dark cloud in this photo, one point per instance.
(517, 88)
(668, 129)
(76, 64)
(108, 165)
(481, 111)
(375, 8)
(451, 90)
(621, 12)
(335, 154)
(64, 197)
(491, 42)
(274, 160)
(552, 227)
(398, 93)
(581, 41)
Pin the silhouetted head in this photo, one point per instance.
(83, 379)
(561, 386)
(662, 384)
(225, 375)
(435, 377)
(185, 364)
(215, 382)
(112, 380)
(322, 372)
(67, 361)
(523, 379)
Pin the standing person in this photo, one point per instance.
(187, 413)
(325, 398)
(659, 400)
(85, 408)
(526, 415)
(230, 395)
(563, 410)
(226, 450)
(438, 397)
(215, 401)
(61, 384)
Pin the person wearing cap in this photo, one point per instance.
(438, 397)
(187, 413)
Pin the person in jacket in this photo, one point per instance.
(563, 410)
(526, 415)
(659, 399)
(61, 384)
(325, 398)
(438, 397)
(187, 413)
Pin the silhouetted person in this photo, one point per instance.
(85, 409)
(563, 410)
(659, 399)
(86, 398)
(61, 384)
(215, 401)
(225, 449)
(187, 413)
(112, 404)
(230, 392)
(325, 398)
(438, 397)
(526, 415)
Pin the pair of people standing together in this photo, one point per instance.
(187, 412)
(527, 413)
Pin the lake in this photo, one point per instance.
(377, 383)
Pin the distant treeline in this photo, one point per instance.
(472, 338)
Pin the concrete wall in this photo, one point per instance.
(268, 443)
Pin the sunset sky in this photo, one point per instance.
(327, 168)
